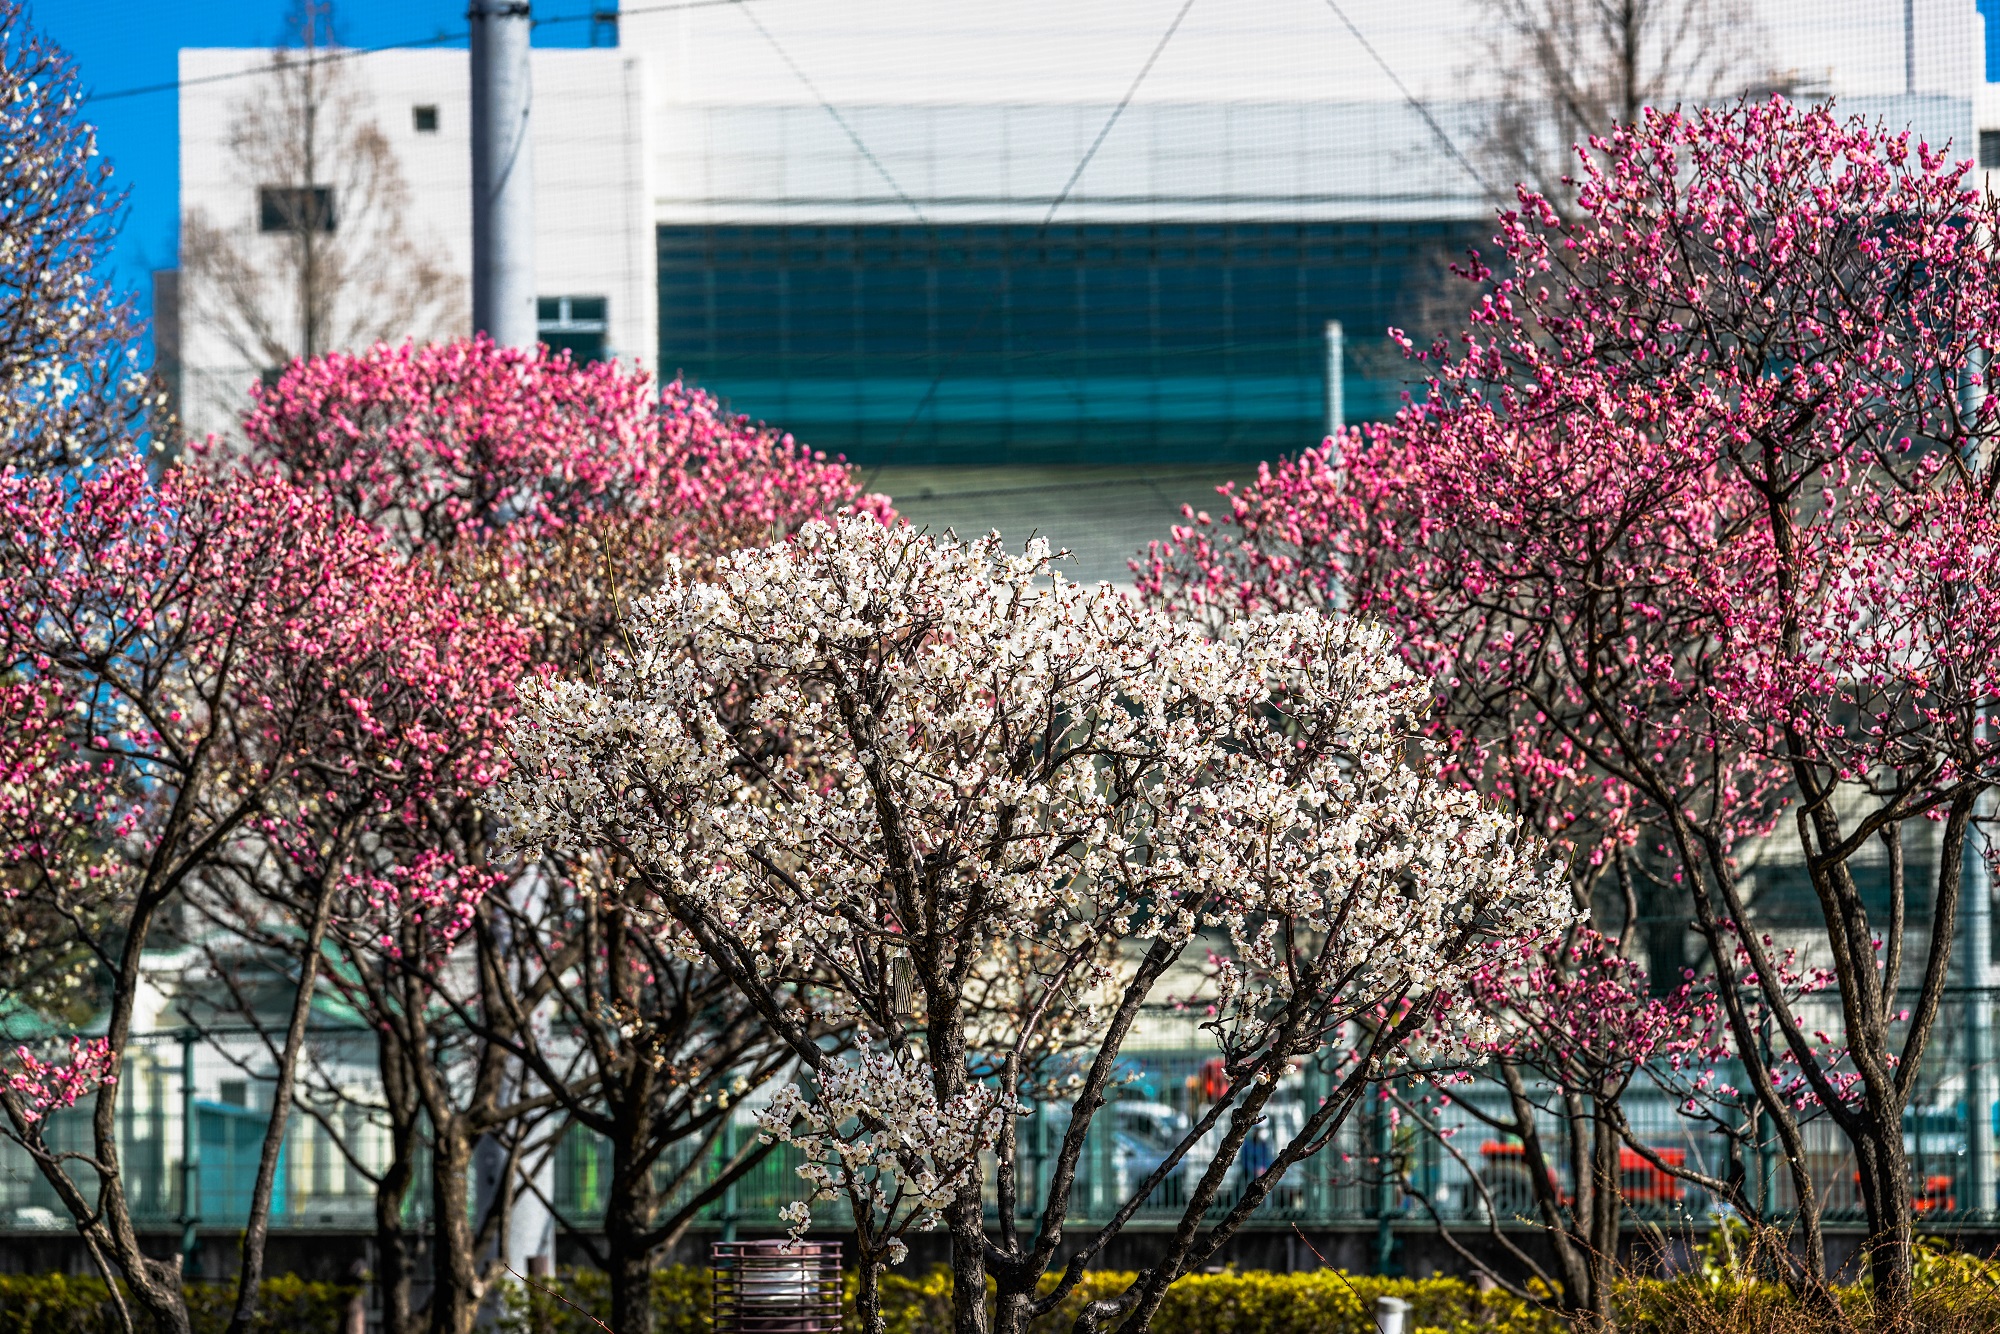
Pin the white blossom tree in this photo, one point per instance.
(984, 811)
(71, 388)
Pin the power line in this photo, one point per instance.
(1116, 112)
(930, 391)
(416, 44)
(1415, 103)
(838, 119)
(274, 67)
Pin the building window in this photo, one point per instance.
(234, 1092)
(294, 208)
(573, 324)
(1989, 148)
(425, 119)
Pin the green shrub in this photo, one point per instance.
(1316, 1303)
(1956, 1294)
(61, 1304)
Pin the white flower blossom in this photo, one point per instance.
(884, 760)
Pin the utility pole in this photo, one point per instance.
(1336, 417)
(1976, 891)
(1976, 900)
(503, 174)
(1910, 48)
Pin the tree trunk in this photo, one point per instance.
(454, 1267)
(155, 1285)
(392, 1242)
(1885, 1186)
(250, 1277)
(161, 1298)
(628, 1217)
(1012, 1312)
(393, 1262)
(967, 1220)
(868, 1298)
(1602, 1252)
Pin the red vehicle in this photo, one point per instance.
(1638, 1180)
(1934, 1198)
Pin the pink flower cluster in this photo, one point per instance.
(1693, 530)
(454, 442)
(41, 1087)
(432, 898)
(1690, 504)
(1584, 1014)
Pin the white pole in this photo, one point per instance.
(1336, 422)
(503, 174)
(1976, 902)
(1977, 891)
(1336, 378)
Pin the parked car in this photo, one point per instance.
(1143, 1134)
(1505, 1171)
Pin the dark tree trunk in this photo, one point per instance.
(1885, 1189)
(392, 1241)
(1602, 1256)
(628, 1219)
(868, 1298)
(454, 1266)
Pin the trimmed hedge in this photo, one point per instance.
(61, 1304)
(1321, 1302)
(1956, 1295)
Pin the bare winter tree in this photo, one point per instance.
(324, 256)
(1568, 69)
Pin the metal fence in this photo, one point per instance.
(192, 1114)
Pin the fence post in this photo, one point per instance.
(1385, 1188)
(190, 1160)
(729, 1152)
(1317, 1192)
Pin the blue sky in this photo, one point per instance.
(121, 45)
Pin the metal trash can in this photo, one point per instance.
(1390, 1313)
(775, 1287)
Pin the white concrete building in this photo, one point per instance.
(593, 201)
(914, 113)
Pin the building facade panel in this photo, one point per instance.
(1073, 344)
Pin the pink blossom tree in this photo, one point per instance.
(1577, 1025)
(219, 669)
(1694, 526)
(549, 493)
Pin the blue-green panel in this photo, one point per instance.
(1106, 343)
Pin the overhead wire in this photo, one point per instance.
(834, 112)
(937, 379)
(335, 54)
(1416, 104)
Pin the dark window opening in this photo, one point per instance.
(573, 324)
(1989, 148)
(235, 1092)
(425, 119)
(294, 208)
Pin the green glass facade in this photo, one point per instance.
(1084, 344)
